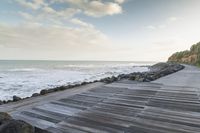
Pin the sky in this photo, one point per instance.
(112, 30)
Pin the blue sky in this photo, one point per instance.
(136, 30)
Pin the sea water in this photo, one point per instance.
(23, 78)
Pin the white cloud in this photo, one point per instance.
(120, 1)
(81, 23)
(173, 19)
(98, 9)
(168, 22)
(95, 8)
(34, 4)
(46, 29)
(25, 15)
(59, 39)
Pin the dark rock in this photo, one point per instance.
(4, 117)
(9, 101)
(70, 86)
(43, 92)
(141, 79)
(16, 126)
(63, 88)
(16, 98)
(35, 94)
(156, 71)
(38, 130)
(83, 83)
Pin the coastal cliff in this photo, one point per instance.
(191, 56)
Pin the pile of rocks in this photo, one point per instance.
(9, 125)
(156, 71)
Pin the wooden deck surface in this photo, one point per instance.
(120, 107)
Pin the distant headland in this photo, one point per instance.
(191, 56)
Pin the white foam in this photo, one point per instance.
(24, 82)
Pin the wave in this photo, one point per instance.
(24, 70)
(24, 82)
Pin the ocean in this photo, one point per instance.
(23, 78)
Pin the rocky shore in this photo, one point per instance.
(156, 71)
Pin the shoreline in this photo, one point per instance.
(16, 117)
(156, 71)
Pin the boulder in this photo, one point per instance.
(16, 98)
(16, 126)
(4, 117)
(35, 94)
(43, 92)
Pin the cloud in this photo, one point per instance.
(57, 31)
(164, 25)
(172, 19)
(34, 4)
(120, 1)
(94, 8)
(99, 9)
(81, 23)
(25, 15)
(38, 37)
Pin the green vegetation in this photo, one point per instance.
(191, 56)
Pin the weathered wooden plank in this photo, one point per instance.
(50, 112)
(64, 129)
(43, 124)
(181, 114)
(130, 103)
(170, 119)
(78, 102)
(39, 116)
(71, 105)
(174, 105)
(86, 98)
(96, 126)
(105, 119)
(166, 126)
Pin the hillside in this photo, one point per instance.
(191, 56)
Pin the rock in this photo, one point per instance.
(43, 92)
(9, 101)
(35, 94)
(62, 88)
(16, 126)
(1, 102)
(83, 83)
(4, 117)
(16, 98)
(156, 71)
(141, 79)
(38, 130)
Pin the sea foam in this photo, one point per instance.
(25, 78)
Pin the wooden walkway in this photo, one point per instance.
(120, 107)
